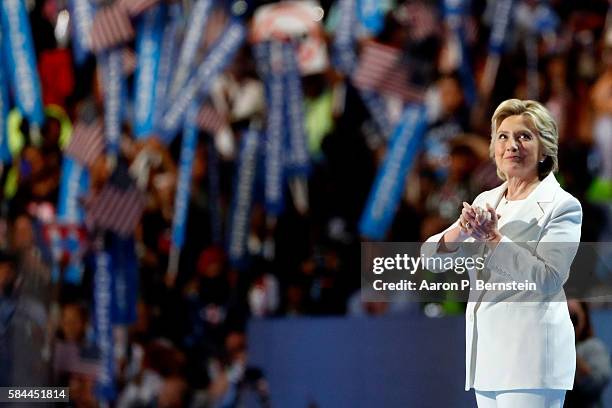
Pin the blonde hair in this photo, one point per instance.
(542, 120)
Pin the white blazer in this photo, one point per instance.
(524, 345)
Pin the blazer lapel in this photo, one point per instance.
(535, 203)
(532, 211)
(543, 193)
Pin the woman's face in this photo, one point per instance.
(517, 148)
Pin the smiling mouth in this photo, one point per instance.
(513, 158)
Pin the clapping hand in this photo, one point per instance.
(479, 223)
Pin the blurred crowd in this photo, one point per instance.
(187, 345)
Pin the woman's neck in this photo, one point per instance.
(519, 188)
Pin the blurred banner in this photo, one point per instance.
(21, 60)
(5, 153)
(242, 200)
(201, 81)
(390, 181)
(82, 20)
(103, 306)
(114, 97)
(148, 50)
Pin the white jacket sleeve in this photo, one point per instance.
(431, 246)
(549, 265)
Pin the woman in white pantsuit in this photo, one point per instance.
(519, 353)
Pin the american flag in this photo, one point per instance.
(380, 69)
(136, 7)
(115, 209)
(111, 27)
(87, 142)
(209, 119)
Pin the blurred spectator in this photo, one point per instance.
(162, 369)
(592, 361)
(174, 393)
(358, 307)
(8, 279)
(82, 391)
(232, 378)
(207, 297)
(602, 127)
(452, 120)
(71, 341)
(22, 327)
(467, 153)
(263, 295)
(73, 323)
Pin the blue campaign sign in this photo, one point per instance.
(148, 49)
(298, 162)
(82, 22)
(275, 132)
(103, 327)
(243, 197)
(19, 48)
(5, 153)
(114, 97)
(344, 56)
(499, 28)
(390, 181)
(183, 189)
(199, 84)
(74, 183)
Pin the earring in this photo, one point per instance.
(542, 161)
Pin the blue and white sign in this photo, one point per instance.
(275, 131)
(199, 84)
(114, 97)
(74, 184)
(390, 181)
(198, 17)
(454, 14)
(243, 197)
(499, 27)
(183, 189)
(103, 305)
(19, 51)
(344, 56)
(122, 253)
(148, 49)
(166, 61)
(298, 162)
(5, 153)
(82, 12)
